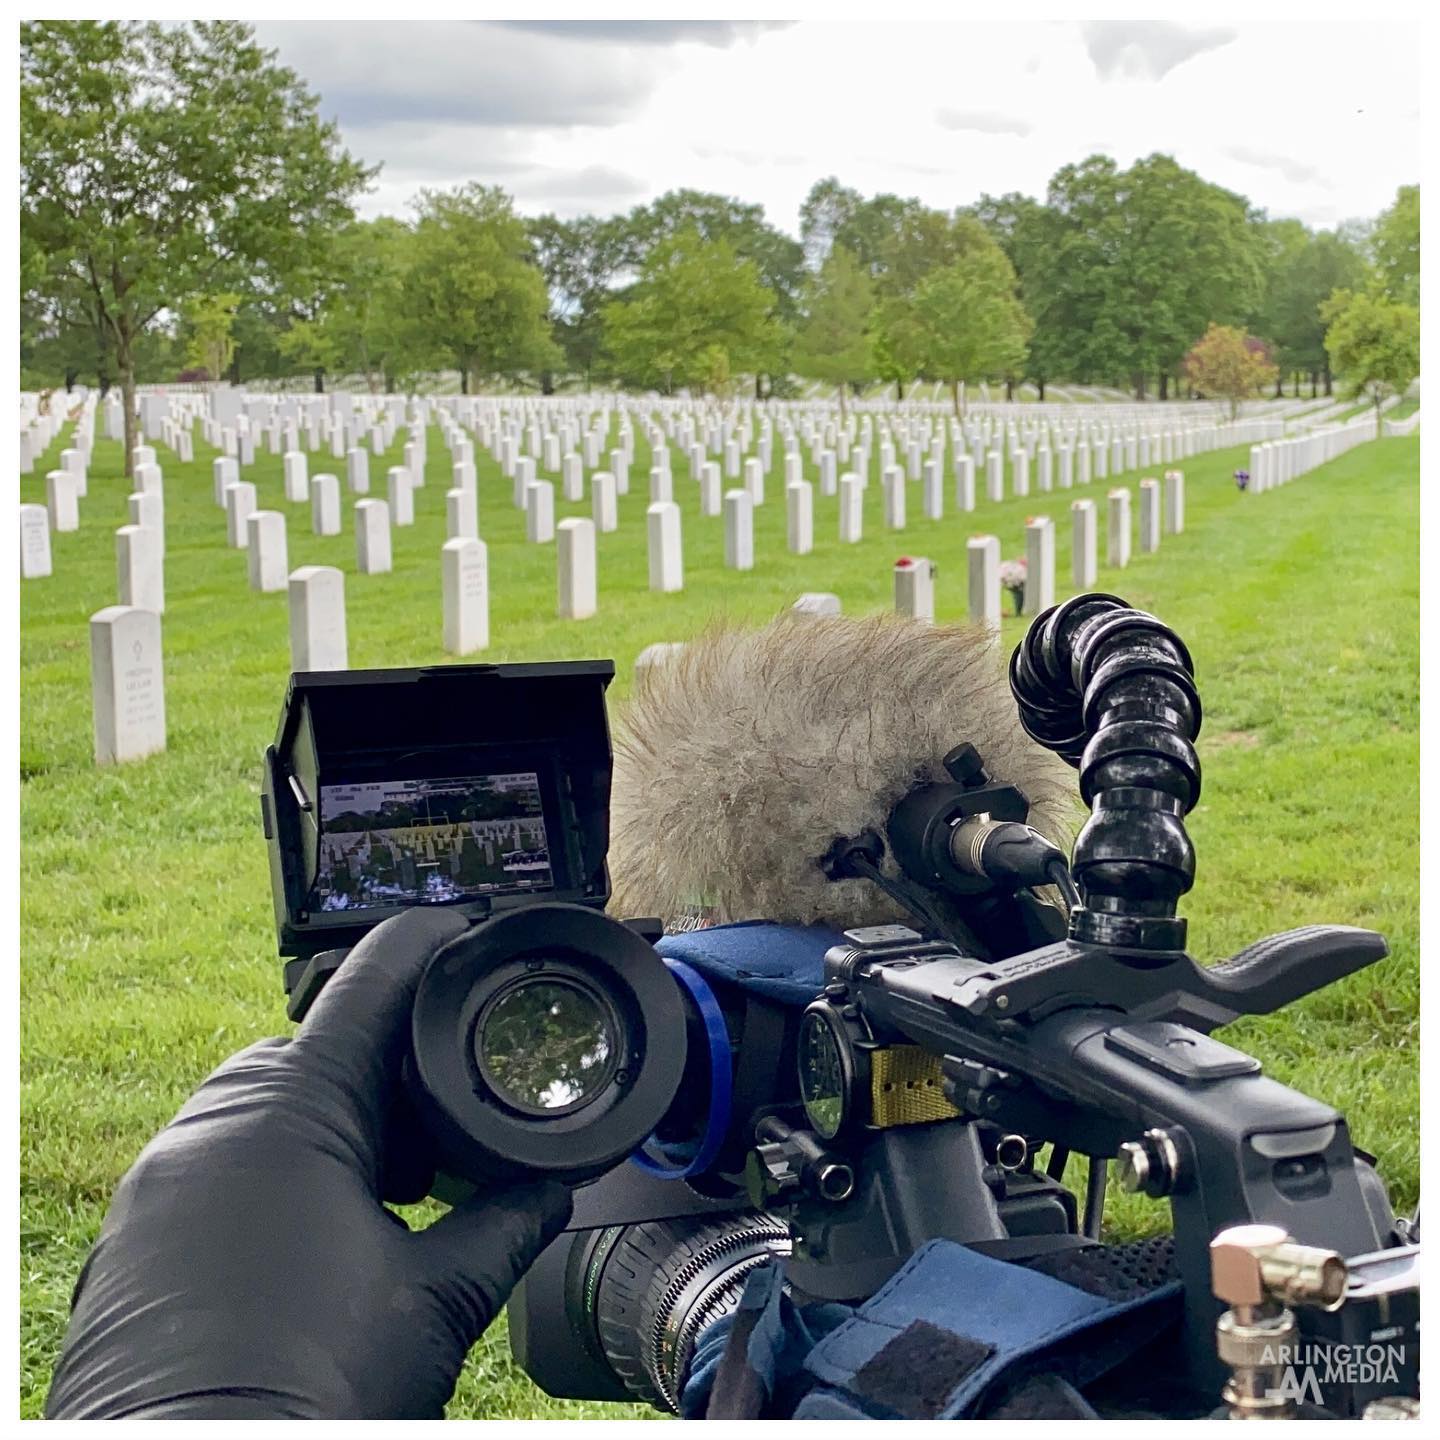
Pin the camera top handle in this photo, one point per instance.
(1099, 1042)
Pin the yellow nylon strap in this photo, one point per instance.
(907, 1088)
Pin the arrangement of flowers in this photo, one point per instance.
(1242, 479)
(1012, 578)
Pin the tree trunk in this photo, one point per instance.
(759, 388)
(125, 360)
(959, 409)
(1279, 387)
(464, 377)
(1329, 382)
(1040, 389)
(319, 379)
(841, 389)
(1009, 390)
(1164, 385)
(1314, 383)
(71, 376)
(1139, 383)
(899, 392)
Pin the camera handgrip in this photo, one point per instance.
(1280, 968)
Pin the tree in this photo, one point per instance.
(1374, 344)
(1396, 242)
(210, 325)
(698, 315)
(580, 260)
(1302, 271)
(473, 285)
(966, 323)
(157, 162)
(1227, 364)
(834, 342)
(367, 315)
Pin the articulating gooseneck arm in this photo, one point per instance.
(1110, 689)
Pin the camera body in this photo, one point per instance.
(831, 1102)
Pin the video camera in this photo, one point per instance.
(857, 1111)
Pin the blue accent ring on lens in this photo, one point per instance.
(717, 1118)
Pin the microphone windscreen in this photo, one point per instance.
(739, 759)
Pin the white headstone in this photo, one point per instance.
(983, 557)
(1118, 530)
(660, 653)
(149, 480)
(540, 512)
(461, 522)
(1044, 470)
(829, 475)
(739, 530)
(933, 489)
(325, 505)
(817, 602)
(964, 482)
(225, 473)
(662, 485)
(317, 618)
(852, 508)
(1020, 472)
(1067, 467)
(620, 469)
(710, 497)
(297, 477)
(524, 478)
(1082, 544)
(1149, 516)
(402, 495)
(893, 481)
(357, 470)
(575, 560)
(462, 475)
(667, 568)
(755, 480)
(799, 517)
(268, 562)
(62, 500)
(603, 507)
(915, 588)
(573, 478)
(147, 508)
(465, 583)
(239, 505)
(140, 568)
(1174, 502)
(34, 542)
(73, 460)
(994, 476)
(127, 683)
(1039, 564)
(372, 537)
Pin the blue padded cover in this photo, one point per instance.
(781, 962)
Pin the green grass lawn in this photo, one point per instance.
(147, 941)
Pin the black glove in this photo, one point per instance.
(247, 1267)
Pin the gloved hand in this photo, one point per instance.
(247, 1267)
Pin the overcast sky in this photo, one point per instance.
(1318, 119)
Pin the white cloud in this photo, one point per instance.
(1147, 49)
(1313, 120)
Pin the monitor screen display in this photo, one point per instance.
(427, 842)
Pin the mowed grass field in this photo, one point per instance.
(147, 940)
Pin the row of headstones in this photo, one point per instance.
(1278, 461)
(127, 672)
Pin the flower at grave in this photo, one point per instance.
(1012, 578)
(1242, 479)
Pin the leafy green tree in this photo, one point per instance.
(966, 322)
(367, 315)
(473, 285)
(210, 326)
(1396, 242)
(1227, 364)
(698, 315)
(1374, 344)
(580, 259)
(156, 161)
(833, 342)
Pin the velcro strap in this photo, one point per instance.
(907, 1088)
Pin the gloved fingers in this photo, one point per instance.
(476, 1253)
(355, 1037)
(407, 1157)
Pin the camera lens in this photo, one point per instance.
(547, 1045)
